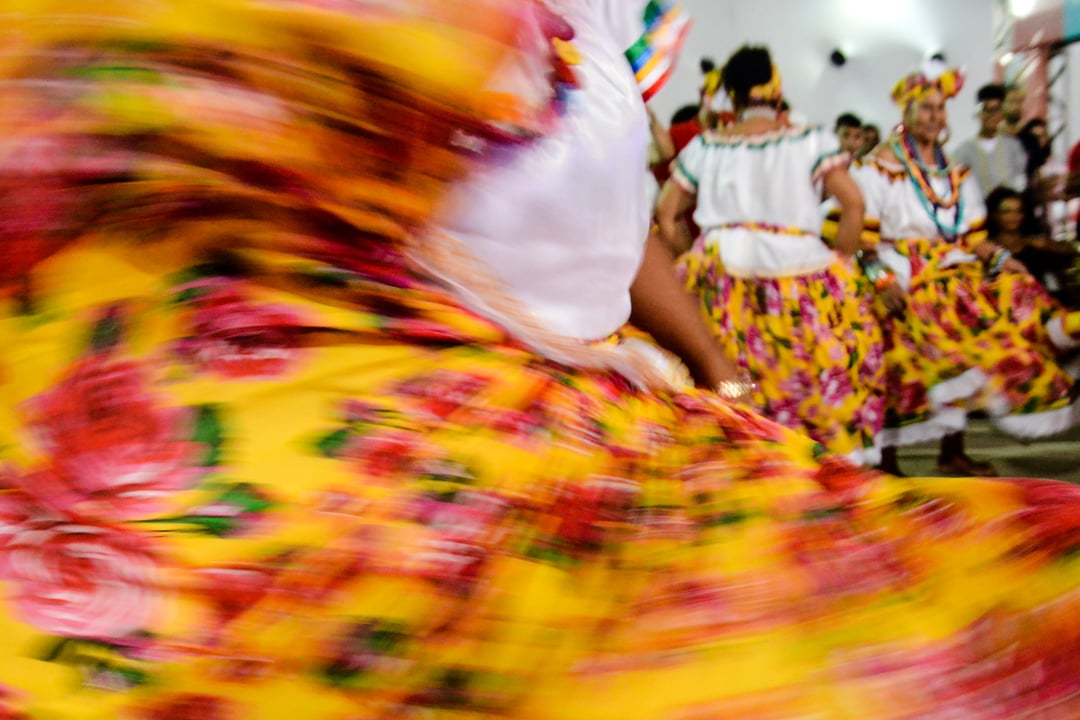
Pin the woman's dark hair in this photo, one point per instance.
(994, 201)
(747, 68)
(1037, 154)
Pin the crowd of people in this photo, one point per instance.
(348, 374)
(927, 318)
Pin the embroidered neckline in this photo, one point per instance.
(757, 141)
(761, 112)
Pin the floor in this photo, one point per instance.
(1058, 458)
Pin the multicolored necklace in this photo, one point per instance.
(920, 175)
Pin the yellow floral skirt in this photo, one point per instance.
(969, 342)
(252, 467)
(810, 342)
(266, 495)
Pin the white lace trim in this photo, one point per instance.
(963, 386)
(1039, 425)
(948, 420)
(866, 457)
(646, 366)
(1061, 339)
(944, 420)
(914, 434)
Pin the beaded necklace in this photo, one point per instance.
(920, 175)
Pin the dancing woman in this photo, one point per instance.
(279, 444)
(954, 343)
(782, 302)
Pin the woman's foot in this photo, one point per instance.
(964, 466)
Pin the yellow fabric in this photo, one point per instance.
(958, 319)
(719, 550)
(811, 343)
(254, 465)
(770, 91)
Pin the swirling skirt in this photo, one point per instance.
(969, 342)
(811, 342)
(271, 493)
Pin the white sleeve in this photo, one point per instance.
(826, 156)
(688, 167)
(873, 186)
(624, 19)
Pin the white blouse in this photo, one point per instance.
(561, 222)
(759, 198)
(893, 200)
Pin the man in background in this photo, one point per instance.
(871, 139)
(849, 130)
(995, 159)
(1012, 107)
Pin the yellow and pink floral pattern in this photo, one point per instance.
(810, 342)
(255, 466)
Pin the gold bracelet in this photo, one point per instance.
(735, 389)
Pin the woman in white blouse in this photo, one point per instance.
(973, 334)
(783, 302)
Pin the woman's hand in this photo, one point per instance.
(894, 299)
(1012, 265)
(985, 250)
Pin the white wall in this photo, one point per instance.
(882, 40)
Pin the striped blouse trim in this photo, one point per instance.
(758, 142)
(683, 178)
(829, 162)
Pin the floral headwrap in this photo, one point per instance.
(933, 76)
(712, 94)
(769, 92)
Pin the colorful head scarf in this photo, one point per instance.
(769, 92)
(932, 76)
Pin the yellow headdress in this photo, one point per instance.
(933, 76)
(769, 92)
(711, 84)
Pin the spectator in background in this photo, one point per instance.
(667, 144)
(1043, 179)
(1035, 139)
(1047, 261)
(994, 159)
(1012, 107)
(849, 130)
(871, 139)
